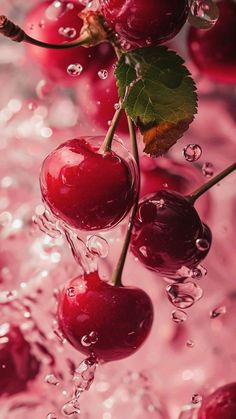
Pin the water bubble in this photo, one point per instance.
(196, 273)
(179, 316)
(192, 152)
(202, 245)
(90, 339)
(143, 251)
(97, 246)
(71, 408)
(196, 399)
(208, 169)
(71, 292)
(51, 415)
(117, 106)
(84, 375)
(184, 295)
(67, 32)
(218, 312)
(190, 343)
(51, 379)
(103, 74)
(74, 70)
(203, 14)
(184, 272)
(160, 203)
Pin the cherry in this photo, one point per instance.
(17, 364)
(46, 22)
(87, 188)
(99, 102)
(220, 405)
(141, 23)
(109, 322)
(213, 51)
(169, 234)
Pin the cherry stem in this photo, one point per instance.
(117, 274)
(106, 145)
(17, 34)
(206, 186)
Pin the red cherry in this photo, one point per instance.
(86, 188)
(169, 234)
(221, 404)
(106, 321)
(213, 51)
(149, 23)
(45, 22)
(17, 364)
(98, 101)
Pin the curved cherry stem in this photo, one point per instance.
(106, 145)
(17, 34)
(206, 186)
(117, 274)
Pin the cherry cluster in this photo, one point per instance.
(93, 188)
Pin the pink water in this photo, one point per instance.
(187, 356)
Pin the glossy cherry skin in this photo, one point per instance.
(88, 189)
(39, 23)
(17, 364)
(118, 318)
(220, 405)
(98, 100)
(165, 233)
(213, 51)
(145, 23)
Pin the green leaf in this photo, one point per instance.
(158, 94)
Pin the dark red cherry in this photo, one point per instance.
(108, 321)
(220, 405)
(47, 21)
(86, 188)
(17, 364)
(99, 100)
(213, 51)
(169, 234)
(145, 23)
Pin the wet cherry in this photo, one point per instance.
(58, 22)
(111, 322)
(169, 234)
(220, 405)
(86, 188)
(17, 364)
(213, 51)
(141, 23)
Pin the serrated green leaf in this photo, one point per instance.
(158, 94)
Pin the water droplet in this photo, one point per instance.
(143, 251)
(184, 295)
(51, 415)
(196, 273)
(184, 272)
(208, 169)
(159, 203)
(202, 245)
(196, 399)
(8, 296)
(43, 89)
(51, 379)
(84, 375)
(202, 269)
(32, 106)
(218, 312)
(190, 343)
(57, 9)
(67, 32)
(89, 340)
(103, 74)
(117, 106)
(192, 152)
(98, 246)
(74, 70)
(179, 316)
(71, 408)
(203, 14)
(71, 292)
(5, 218)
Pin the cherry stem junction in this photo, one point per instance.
(206, 186)
(117, 274)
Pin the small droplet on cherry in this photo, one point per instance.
(218, 312)
(184, 295)
(190, 343)
(208, 169)
(71, 292)
(103, 74)
(202, 245)
(67, 32)
(203, 14)
(196, 399)
(179, 316)
(74, 70)
(192, 152)
(117, 106)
